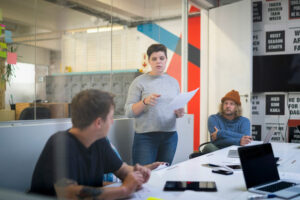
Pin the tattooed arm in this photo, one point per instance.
(69, 189)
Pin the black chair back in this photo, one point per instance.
(41, 113)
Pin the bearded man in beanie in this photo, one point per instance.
(228, 127)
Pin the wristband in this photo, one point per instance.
(144, 102)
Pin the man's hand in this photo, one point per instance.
(245, 140)
(151, 99)
(179, 112)
(214, 134)
(144, 171)
(132, 182)
(154, 165)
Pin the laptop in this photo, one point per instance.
(261, 174)
(232, 153)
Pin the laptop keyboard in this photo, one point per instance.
(277, 186)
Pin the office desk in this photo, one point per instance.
(231, 186)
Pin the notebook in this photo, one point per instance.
(232, 153)
(261, 174)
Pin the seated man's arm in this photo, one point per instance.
(225, 142)
(126, 169)
(69, 189)
(244, 129)
(213, 127)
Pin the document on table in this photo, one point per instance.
(180, 100)
(147, 191)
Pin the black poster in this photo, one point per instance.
(294, 135)
(275, 41)
(257, 11)
(275, 104)
(294, 9)
(256, 132)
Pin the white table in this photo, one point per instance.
(231, 186)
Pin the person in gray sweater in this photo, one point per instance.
(148, 98)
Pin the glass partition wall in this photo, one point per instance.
(57, 48)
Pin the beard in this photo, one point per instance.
(229, 112)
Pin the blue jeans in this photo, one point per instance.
(154, 146)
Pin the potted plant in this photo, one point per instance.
(6, 74)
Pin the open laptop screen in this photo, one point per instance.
(259, 165)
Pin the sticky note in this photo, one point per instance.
(8, 36)
(3, 54)
(7, 33)
(154, 198)
(11, 58)
(3, 45)
(8, 40)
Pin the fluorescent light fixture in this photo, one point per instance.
(97, 29)
(105, 29)
(92, 30)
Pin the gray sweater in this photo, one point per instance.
(158, 117)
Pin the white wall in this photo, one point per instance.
(103, 51)
(204, 76)
(30, 54)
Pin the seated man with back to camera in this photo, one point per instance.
(228, 127)
(73, 162)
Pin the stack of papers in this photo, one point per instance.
(182, 99)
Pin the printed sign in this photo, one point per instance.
(275, 41)
(294, 106)
(256, 132)
(294, 132)
(275, 104)
(294, 9)
(257, 104)
(279, 131)
(296, 39)
(258, 44)
(257, 11)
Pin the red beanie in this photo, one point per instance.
(232, 95)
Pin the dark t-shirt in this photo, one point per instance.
(66, 157)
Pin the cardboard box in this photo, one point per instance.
(7, 115)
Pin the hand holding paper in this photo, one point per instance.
(180, 100)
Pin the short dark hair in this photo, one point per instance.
(156, 48)
(88, 105)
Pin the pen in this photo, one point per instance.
(293, 161)
(172, 167)
(213, 165)
(266, 196)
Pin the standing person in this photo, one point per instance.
(148, 97)
(73, 162)
(228, 127)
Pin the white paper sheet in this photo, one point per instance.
(192, 195)
(147, 191)
(180, 100)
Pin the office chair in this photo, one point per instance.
(204, 148)
(41, 113)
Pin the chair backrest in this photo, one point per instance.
(41, 113)
(204, 148)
